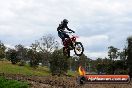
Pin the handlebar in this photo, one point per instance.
(68, 32)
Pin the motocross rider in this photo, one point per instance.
(61, 30)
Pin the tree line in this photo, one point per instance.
(46, 51)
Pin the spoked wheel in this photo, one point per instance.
(66, 52)
(78, 48)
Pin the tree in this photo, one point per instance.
(113, 54)
(83, 60)
(34, 57)
(2, 50)
(21, 52)
(73, 63)
(11, 55)
(58, 63)
(99, 65)
(129, 53)
(122, 55)
(47, 45)
(100, 68)
(121, 67)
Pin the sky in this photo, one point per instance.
(98, 23)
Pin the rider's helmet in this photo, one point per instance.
(65, 21)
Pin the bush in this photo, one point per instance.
(58, 63)
(13, 56)
(121, 72)
(22, 63)
(34, 58)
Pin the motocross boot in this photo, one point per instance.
(71, 46)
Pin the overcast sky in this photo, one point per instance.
(98, 23)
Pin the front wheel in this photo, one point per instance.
(78, 48)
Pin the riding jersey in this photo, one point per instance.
(62, 27)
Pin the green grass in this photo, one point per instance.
(7, 67)
(4, 83)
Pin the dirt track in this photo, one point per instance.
(59, 82)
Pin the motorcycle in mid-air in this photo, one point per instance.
(77, 46)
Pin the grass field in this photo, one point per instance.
(7, 67)
(4, 83)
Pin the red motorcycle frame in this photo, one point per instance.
(76, 46)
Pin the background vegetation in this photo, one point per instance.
(44, 54)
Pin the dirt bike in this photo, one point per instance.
(76, 46)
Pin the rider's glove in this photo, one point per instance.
(73, 31)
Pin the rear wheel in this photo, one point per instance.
(66, 52)
(78, 48)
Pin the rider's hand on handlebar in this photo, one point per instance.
(70, 32)
(73, 31)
